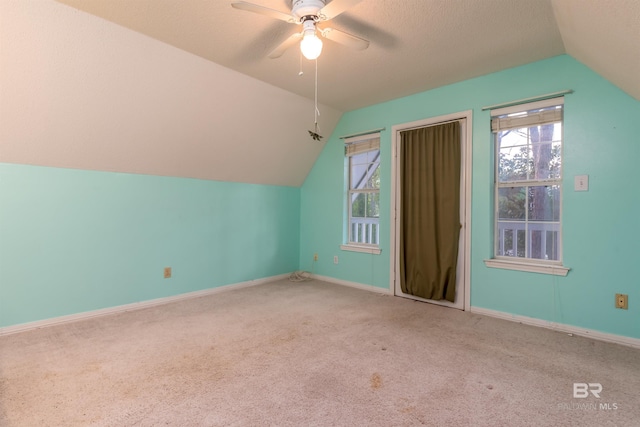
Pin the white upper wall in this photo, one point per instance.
(79, 92)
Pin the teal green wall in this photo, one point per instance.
(601, 231)
(74, 241)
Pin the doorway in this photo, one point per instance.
(462, 281)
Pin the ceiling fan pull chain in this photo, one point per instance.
(315, 134)
(300, 72)
(317, 111)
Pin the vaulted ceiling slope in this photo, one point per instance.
(604, 35)
(416, 45)
(79, 92)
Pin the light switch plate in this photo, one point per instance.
(581, 183)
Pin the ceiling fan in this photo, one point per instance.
(309, 13)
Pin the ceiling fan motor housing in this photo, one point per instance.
(308, 9)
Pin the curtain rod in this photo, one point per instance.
(363, 133)
(532, 99)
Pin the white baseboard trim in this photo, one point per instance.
(8, 330)
(356, 285)
(560, 327)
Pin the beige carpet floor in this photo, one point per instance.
(310, 354)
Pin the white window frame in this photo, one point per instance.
(358, 145)
(508, 118)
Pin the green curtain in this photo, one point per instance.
(430, 210)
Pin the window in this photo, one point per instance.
(528, 182)
(363, 190)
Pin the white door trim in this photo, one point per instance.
(465, 183)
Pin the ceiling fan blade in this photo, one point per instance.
(336, 7)
(278, 51)
(345, 38)
(243, 5)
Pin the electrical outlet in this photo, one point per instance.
(315, 257)
(167, 272)
(622, 301)
(335, 259)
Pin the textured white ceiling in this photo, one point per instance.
(416, 45)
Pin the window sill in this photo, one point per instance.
(556, 270)
(361, 248)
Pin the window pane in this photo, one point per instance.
(374, 175)
(508, 249)
(358, 173)
(540, 238)
(511, 238)
(513, 162)
(542, 159)
(544, 203)
(373, 205)
(364, 231)
(530, 153)
(511, 203)
(359, 159)
(364, 170)
(520, 252)
(374, 234)
(541, 156)
(513, 138)
(552, 245)
(373, 156)
(555, 164)
(543, 241)
(358, 202)
(545, 151)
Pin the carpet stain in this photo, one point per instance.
(376, 381)
(285, 337)
(90, 367)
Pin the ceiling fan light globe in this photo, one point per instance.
(311, 45)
